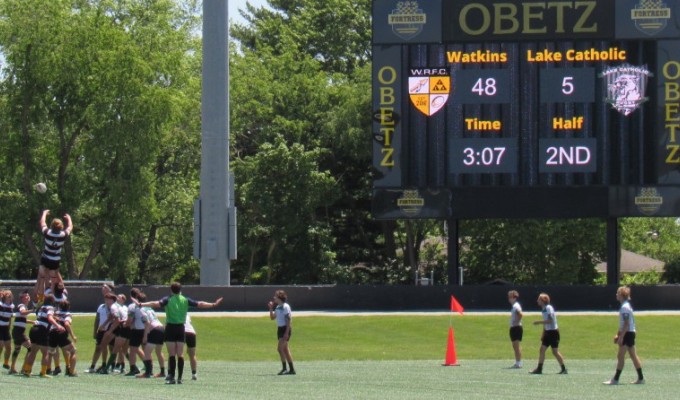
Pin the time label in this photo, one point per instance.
(470, 156)
(567, 155)
(567, 85)
(482, 86)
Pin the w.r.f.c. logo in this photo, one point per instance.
(429, 89)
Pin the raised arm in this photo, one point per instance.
(43, 219)
(69, 223)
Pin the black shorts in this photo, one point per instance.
(629, 339)
(50, 264)
(39, 336)
(19, 335)
(136, 337)
(59, 339)
(4, 334)
(516, 333)
(551, 338)
(190, 340)
(156, 336)
(174, 333)
(123, 332)
(281, 331)
(100, 337)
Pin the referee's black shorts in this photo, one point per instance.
(174, 333)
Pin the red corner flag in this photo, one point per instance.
(455, 306)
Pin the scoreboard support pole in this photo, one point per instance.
(453, 252)
(613, 251)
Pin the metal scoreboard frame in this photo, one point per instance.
(526, 109)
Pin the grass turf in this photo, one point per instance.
(474, 379)
(389, 357)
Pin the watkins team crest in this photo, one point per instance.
(625, 87)
(407, 19)
(429, 89)
(650, 16)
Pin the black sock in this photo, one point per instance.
(180, 367)
(193, 372)
(639, 371)
(290, 366)
(283, 365)
(91, 366)
(148, 367)
(539, 367)
(162, 370)
(563, 367)
(171, 366)
(111, 361)
(617, 375)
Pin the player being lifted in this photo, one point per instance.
(55, 237)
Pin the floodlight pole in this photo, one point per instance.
(214, 214)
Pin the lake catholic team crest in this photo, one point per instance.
(429, 89)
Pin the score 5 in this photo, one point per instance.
(567, 85)
(481, 86)
(478, 155)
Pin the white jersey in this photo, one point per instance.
(515, 319)
(103, 313)
(548, 314)
(117, 312)
(626, 314)
(6, 313)
(283, 312)
(122, 313)
(188, 328)
(135, 313)
(151, 318)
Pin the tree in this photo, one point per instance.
(532, 251)
(90, 88)
(280, 191)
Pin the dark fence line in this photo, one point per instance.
(397, 298)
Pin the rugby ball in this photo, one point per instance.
(41, 187)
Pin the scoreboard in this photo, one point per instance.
(524, 108)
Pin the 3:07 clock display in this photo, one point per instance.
(469, 156)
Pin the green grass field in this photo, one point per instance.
(396, 357)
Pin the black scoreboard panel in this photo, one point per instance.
(505, 110)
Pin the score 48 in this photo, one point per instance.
(477, 86)
(485, 87)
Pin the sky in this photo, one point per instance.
(235, 5)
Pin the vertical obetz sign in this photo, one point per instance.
(668, 111)
(387, 126)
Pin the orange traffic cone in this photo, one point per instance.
(451, 351)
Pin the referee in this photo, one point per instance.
(176, 309)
